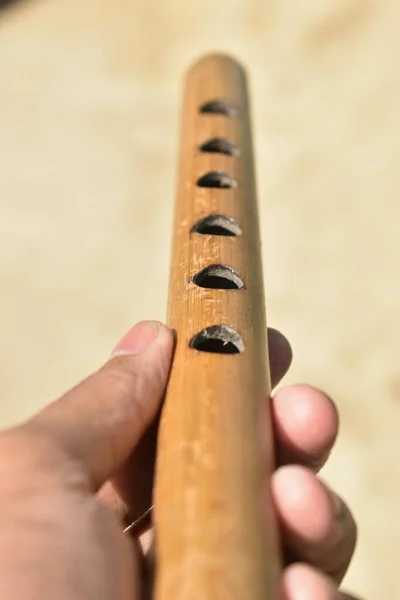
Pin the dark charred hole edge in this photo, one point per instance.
(217, 179)
(220, 146)
(217, 225)
(219, 106)
(218, 277)
(218, 339)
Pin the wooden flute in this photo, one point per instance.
(216, 534)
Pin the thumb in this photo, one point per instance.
(99, 422)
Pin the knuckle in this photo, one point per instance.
(343, 541)
(21, 448)
(128, 386)
(121, 377)
(31, 459)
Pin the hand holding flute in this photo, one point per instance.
(216, 524)
(239, 512)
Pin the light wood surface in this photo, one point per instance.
(89, 108)
(209, 492)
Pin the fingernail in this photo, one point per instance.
(138, 339)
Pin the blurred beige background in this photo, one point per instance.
(89, 107)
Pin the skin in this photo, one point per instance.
(73, 475)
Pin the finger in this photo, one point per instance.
(303, 582)
(280, 355)
(100, 421)
(306, 425)
(129, 494)
(316, 525)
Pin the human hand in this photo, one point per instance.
(74, 473)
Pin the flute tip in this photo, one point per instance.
(216, 60)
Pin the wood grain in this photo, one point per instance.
(213, 540)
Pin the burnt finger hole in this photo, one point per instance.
(220, 146)
(219, 339)
(219, 107)
(217, 179)
(217, 225)
(218, 277)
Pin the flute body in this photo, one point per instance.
(216, 535)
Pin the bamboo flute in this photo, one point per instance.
(213, 542)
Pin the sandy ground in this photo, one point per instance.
(89, 106)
